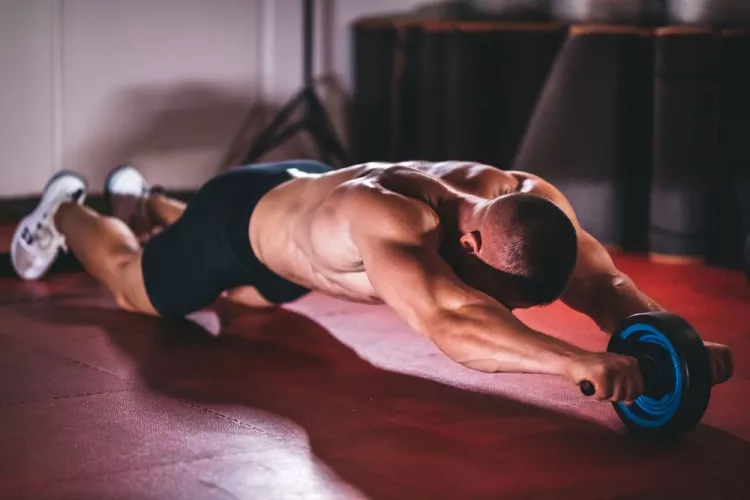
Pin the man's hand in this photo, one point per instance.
(618, 378)
(615, 377)
(720, 361)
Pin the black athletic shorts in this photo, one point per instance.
(207, 250)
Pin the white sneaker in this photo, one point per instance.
(126, 193)
(125, 180)
(36, 242)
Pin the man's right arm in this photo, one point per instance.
(399, 249)
(469, 327)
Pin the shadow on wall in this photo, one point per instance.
(161, 125)
(182, 135)
(335, 100)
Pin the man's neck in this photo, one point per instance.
(457, 217)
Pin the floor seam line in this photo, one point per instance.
(57, 354)
(230, 419)
(86, 365)
(59, 398)
(28, 300)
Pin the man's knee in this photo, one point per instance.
(119, 262)
(126, 282)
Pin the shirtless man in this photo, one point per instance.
(452, 247)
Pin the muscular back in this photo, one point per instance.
(304, 229)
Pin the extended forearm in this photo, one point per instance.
(614, 299)
(488, 338)
(600, 290)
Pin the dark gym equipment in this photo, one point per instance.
(444, 89)
(314, 118)
(603, 164)
(685, 141)
(746, 258)
(676, 375)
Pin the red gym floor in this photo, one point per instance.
(329, 400)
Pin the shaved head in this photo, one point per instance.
(531, 240)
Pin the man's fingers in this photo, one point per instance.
(721, 362)
(607, 387)
(620, 392)
(624, 388)
(636, 387)
(726, 365)
(715, 364)
(603, 390)
(640, 386)
(721, 366)
(730, 365)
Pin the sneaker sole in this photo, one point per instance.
(31, 220)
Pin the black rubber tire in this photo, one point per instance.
(696, 373)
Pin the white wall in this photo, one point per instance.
(26, 100)
(166, 84)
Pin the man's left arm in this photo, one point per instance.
(608, 296)
(601, 291)
(597, 289)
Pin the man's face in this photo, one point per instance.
(480, 275)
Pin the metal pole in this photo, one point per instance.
(308, 25)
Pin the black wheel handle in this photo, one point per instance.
(587, 388)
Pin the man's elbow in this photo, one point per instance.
(439, 316)
(458, 336)
(430, 324)
(445, 326)
(435, 323)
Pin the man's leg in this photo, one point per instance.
(104, 245)
(163, 209)
(109, 251)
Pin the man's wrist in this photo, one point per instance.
(558, 359)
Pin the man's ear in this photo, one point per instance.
(471, 242)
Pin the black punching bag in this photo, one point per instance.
(378, 51)
(730, 226)
(685, 139)
(476, 88)
(591, 130)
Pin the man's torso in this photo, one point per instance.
(300, 231)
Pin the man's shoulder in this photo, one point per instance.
(370, 209)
